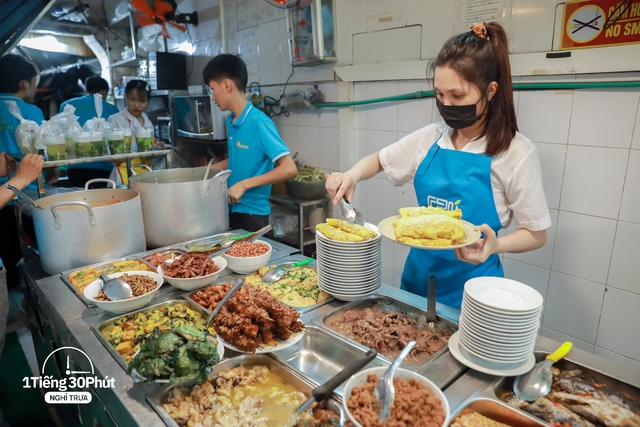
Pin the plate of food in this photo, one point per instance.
(429, 228)
(252, 321)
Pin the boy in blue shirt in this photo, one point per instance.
(19, 83)
(258, 157)
(86, 110)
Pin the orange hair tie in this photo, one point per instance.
(480, 30)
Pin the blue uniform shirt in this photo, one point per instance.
(254, 146)
(9, 124)
(86, 110)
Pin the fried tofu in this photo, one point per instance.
(429, 210)
(430, 227)
(352, 228)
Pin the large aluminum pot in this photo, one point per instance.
(182, 204)
(85, 227)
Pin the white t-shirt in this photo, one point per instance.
(125, 119)
(515, 174)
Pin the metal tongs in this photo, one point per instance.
(224, 300)
(384, 390)
(350, 214)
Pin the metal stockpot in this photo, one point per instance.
(85, 227)
(182, 204)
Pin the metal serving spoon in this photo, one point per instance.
(115, 289)
(384, 390)
(26, 198)
(537, 382)
(276, 273)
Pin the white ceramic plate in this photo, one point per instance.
(516, 353)
(358, 276)
(294, 338)
(387, 229)
(503, 294)
(480, 310)
(348, 287)
(349, 290)
(497, 329)
(455, 349)
(495, 357)
(514, 339)
(347, 258)
(342, 297)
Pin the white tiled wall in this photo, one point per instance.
(588, 142)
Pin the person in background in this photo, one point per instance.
(476, 157)
(136, 95)
(85, 105)
(86, 110)
(258, 157)
(19, 83)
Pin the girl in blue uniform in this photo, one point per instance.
(475, 159)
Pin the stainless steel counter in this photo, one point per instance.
(126, 405)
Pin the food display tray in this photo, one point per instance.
(166, 251)
(496, 410)
(300, 310)
(158, 396)
(97, 328)
(207, 242)
(65, 275)
(389, 303)
(502, 387)
(320, 355)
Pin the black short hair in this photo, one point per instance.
(14, 69)
(139, 86)
(95, 84)
(227, 66)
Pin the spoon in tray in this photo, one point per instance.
(115, 289)
(537, 382)
(276, 273)
(224, 300)
(384, 390)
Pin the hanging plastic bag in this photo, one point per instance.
(302, 98)
(68, 122)
(26, 132)
(51, 138)
(97, 128)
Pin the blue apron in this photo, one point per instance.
(450, 179)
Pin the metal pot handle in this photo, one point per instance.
(56, 217)
(141, 165)
(91, 181)
(222, 174)
(206, 173)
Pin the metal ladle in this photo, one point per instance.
(26, 198)
(115, 289)
(537, 382)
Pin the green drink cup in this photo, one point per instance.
(82, 145)
(56, 148)
(144, 138)
(97, 140)
(115, 140)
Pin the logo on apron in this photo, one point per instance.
(445, 204)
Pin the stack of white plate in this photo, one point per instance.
(349, 270)
(499, 322)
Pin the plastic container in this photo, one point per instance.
(144, 139)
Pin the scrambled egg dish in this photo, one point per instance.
(429, 226)
(297, 288)
(342, 231)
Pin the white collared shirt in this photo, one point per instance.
(125, 119)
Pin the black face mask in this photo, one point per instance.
(459, 116)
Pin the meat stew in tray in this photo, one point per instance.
(387, 325)
(580, 397)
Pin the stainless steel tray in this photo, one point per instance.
(97, 328)
(178, 251)
(503, 387)
(320, 355)
(65, 275)
(158, 396)
(496, 410)
(389, 303)
(207, 242)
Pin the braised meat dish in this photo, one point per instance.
(389, 331)
(191, 264)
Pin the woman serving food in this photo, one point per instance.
(475, 161)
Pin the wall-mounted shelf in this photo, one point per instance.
(126, 63)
